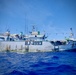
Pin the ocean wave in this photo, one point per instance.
(59, 63)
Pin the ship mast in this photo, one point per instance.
(26, 26)
(71, 34)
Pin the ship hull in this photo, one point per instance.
(19, 46)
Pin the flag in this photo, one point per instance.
(70, 28)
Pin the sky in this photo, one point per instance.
(52, 17)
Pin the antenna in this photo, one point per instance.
(25, 28)
(33, 28)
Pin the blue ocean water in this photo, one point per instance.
(46, 63)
